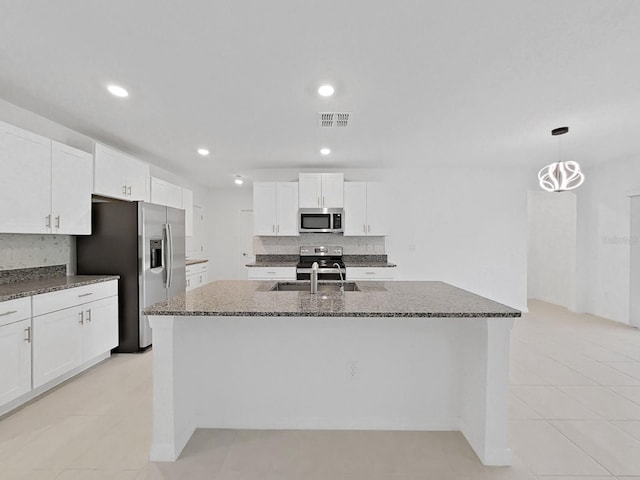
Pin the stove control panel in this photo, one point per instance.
(320, 251)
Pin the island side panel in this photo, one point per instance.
(325, 372)
(173, 387)
(484, 387)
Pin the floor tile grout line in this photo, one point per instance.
(578, 446)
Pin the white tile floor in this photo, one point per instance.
(575, 414)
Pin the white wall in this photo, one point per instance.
(551, 220)
(603, 254)
(464, 226)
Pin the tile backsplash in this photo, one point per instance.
(291, 245)
(27, 251)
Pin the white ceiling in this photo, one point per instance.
(428, 82)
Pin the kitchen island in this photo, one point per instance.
(391, 356)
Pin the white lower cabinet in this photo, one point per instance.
(73, 327)
(57, 344)
(197, 275)
(370, 273)
(15, 349)
(272, 273)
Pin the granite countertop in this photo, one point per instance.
(349, 261)
(194, 261)
(26, 288)
(376, 299)
(273, 263)
(367, 264)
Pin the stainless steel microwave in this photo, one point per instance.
(324, 220)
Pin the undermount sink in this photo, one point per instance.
(322, 287)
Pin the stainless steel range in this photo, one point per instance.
(327, 258)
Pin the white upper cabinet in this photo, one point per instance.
(165, 193)
(366, 209)
(71, 187)
(45, 186)
(119, 175)
(275, 208)
(321, 190)
(25, 181)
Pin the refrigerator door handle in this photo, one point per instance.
(169, 255)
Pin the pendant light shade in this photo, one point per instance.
(560, 176)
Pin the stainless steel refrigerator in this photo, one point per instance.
(144, 243)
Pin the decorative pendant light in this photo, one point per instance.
(560, 176)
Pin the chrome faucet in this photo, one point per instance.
(314, 277)
(337, 265)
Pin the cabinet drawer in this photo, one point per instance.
(15, 310)
(52, 301)
(196, 268)
(373, 273)
(202, 267)
(271, 273)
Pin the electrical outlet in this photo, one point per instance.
(352, 369)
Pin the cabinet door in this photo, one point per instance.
(57, 344)
(15, 360)
(25, 181)
(271, 273)
(264, 209)
(137, 179)
(287, 206)
(377, 209)
(187, 205)
(333, 190)
(100, 332)
(71, 187)
(355, 209)
(108, 172)
(310, 190)
(165, 193)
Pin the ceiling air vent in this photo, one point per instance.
(333, 119)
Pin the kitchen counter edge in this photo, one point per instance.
(11, 291)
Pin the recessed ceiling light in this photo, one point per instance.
(238, 180)
(117, 91)
(325, 151)
(326, 90)
(203, 151)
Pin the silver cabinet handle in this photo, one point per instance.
(129, 190)
(85, 294)
(81, 321)
(124, 189)
(368, 228)
(88, 317)
(200, 278)
(188, 282)
(370, 273)
(271, 273)
(323, 200)
(273, 228)
(318, 201)
(8, 313)
(364, 228)
(58, 221)
(278, 229)
(48, 217)
(27, 334)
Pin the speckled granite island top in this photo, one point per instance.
(26, 288)
(375, 299)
